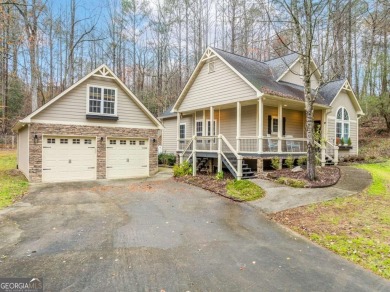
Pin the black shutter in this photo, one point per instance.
(269, 125)
(284, 127)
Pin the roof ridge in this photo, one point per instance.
(238, 55)
(280, 57)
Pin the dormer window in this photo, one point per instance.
(102, 100)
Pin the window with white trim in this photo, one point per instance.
(275, 126)
(132, 142)
(141, 142)
(199, 128)
(87, 141)
(209, 128)
(112, 142)
(122, 142)
(342, 124)
(63, 141)
(101, 100)
(51, 141)
(76, 141)
(182, 131)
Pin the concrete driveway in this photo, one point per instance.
(161, 235)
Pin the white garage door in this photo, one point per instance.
(68, 159)
(127, 158)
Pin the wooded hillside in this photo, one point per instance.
(153, 46)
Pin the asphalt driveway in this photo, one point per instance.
(161, 235)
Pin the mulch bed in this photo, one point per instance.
(209, 183)
(326, 176)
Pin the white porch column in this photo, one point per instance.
(204, 124)
(219, 153)
(194, 166)
(260, 121)
(280, 127)
(211, 126)
(178, 131)
(324, 133)
(238, 126)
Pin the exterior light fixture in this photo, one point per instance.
(101, 139)
(35, 139)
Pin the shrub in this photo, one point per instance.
(167, 159)
(342, 142)
(275, 162)
(219, 175)
(181, 170)
(302, 160)
(295, 183)
(289, 161)
(349, 142)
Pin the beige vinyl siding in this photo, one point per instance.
(293, 76)
(343, 100)
(169, 136)
(228, 125)
(219, 87)
(294, 121)
(72, 107)
(248, 120)
(23, 150)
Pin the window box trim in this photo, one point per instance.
(102, 117)
(88, 113)
(344, 148)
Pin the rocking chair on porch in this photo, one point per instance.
(272, 145)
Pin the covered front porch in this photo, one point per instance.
(263, 127)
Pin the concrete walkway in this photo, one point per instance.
(280, 197)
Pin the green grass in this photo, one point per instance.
(12, 185)
(244, 190)
(292, 182)
(356, 227)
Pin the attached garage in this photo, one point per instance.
(68, 158)
(127, 157)
(95, 129)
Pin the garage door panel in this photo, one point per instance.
(129, 159)
(68, 161)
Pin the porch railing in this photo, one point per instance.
(271, 145)
(328, 152)
(213, 144)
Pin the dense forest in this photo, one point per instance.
(153, 45)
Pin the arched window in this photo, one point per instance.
(342, 124)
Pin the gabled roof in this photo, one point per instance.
(282, 64)
(101, 71)
(264, 78)
(330, 89)
(259, 74)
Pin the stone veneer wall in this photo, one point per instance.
(35, 171)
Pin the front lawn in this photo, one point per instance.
(244, 190)
(356, 227)
(13, 184)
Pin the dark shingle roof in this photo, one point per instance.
(263, 76)
(167, 113)
(329, 90)
(259, 74)
(281, 64)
